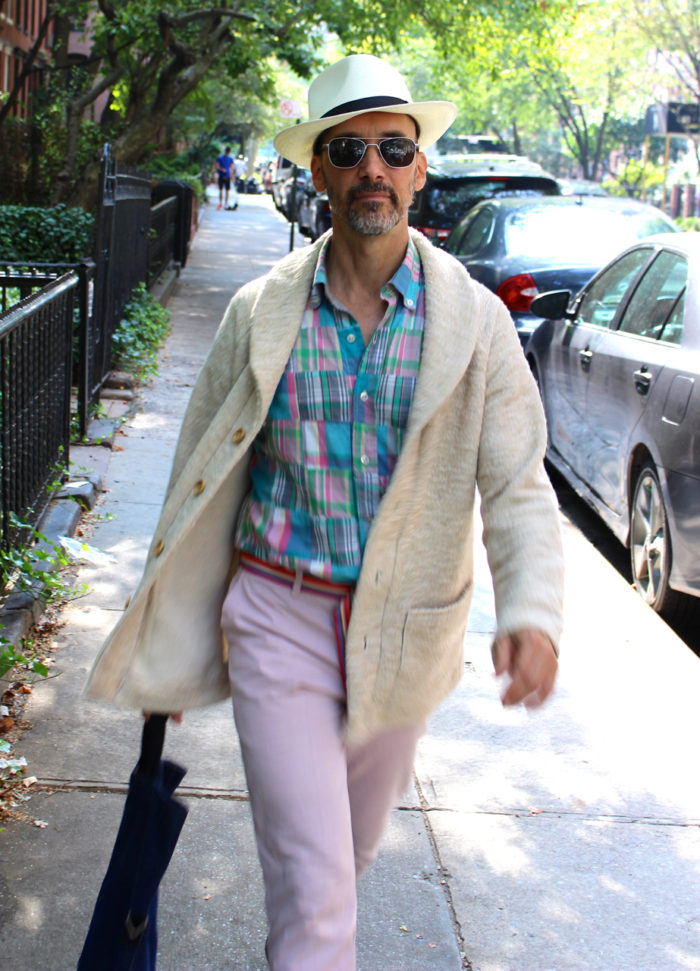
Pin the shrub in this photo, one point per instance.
(57, 235)
(689, 224)
(139, 334)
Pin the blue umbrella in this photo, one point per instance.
(123, 932)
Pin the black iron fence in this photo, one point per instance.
(55, 343)
(161, 237)
(121, 258)
(35, 401)
(17, 280)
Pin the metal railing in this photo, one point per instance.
(58, 337)
(161, 237)
(26, 280)
(35, 401)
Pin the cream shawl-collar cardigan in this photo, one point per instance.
(475, 420)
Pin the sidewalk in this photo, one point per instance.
(568, 839)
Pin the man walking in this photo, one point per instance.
(223, 166)
(320, 515)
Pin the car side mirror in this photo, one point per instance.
(551, 305)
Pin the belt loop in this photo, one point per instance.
(298, 578)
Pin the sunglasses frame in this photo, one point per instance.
(377, 142)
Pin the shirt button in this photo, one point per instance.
(351, 338)
(364, 459)
(409, 302)
(363, 396)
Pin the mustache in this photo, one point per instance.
(369, 188)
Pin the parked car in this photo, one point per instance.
(291, 194)
(580, 187)
(618, 367)
(456, 182)
(314, 213)
(449, 144)
(521, 247)
(281, 170)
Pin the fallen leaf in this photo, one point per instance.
(402, 927)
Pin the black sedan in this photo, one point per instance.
(618, 368)
(521, 247)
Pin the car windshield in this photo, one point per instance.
(579, 233)
(456, 196)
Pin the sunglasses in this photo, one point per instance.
(345, 153)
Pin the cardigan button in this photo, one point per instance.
(238, 436)
(199, 487)
(160, 546)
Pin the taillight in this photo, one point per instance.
(518, 292)
(432, 233)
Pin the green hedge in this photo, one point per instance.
(57, 235)
(689, 224)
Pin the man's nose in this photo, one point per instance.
(372, 160)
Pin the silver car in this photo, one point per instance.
(618, 366)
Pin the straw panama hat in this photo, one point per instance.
(353, 86)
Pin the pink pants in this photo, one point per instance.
(319, 806)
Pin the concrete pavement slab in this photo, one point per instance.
(552, 893)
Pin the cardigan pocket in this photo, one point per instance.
(432, 655)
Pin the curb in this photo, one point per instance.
(22, 609)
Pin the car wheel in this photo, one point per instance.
(650, 543)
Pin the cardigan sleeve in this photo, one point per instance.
(518, 504)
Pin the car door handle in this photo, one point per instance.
(642, 380)
(585, 358)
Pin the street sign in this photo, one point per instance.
(289, 108)
(674, 118)
(683, 119)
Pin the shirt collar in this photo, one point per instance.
(406, 280)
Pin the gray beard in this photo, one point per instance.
(372, 218)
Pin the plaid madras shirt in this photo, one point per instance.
(323, 459)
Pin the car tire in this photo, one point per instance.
(650, 543)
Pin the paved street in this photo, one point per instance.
(564, 839)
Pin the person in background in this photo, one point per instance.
(320, 515)
(240, 168)
(222, 166)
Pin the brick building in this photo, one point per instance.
(20, 25)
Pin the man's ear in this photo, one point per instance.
(421, 168)
(317, 174)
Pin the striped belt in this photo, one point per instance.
(341, 592)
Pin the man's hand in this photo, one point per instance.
(528, 657)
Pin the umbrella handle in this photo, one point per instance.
(152, 744)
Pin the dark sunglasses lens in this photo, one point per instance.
(397, 152)
(345, 153)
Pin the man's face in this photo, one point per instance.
(373, 197)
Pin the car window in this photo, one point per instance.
(587, 234)
(454, 196)
(672, 332)
(477, 233)
(605, 294)
(655, 296)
